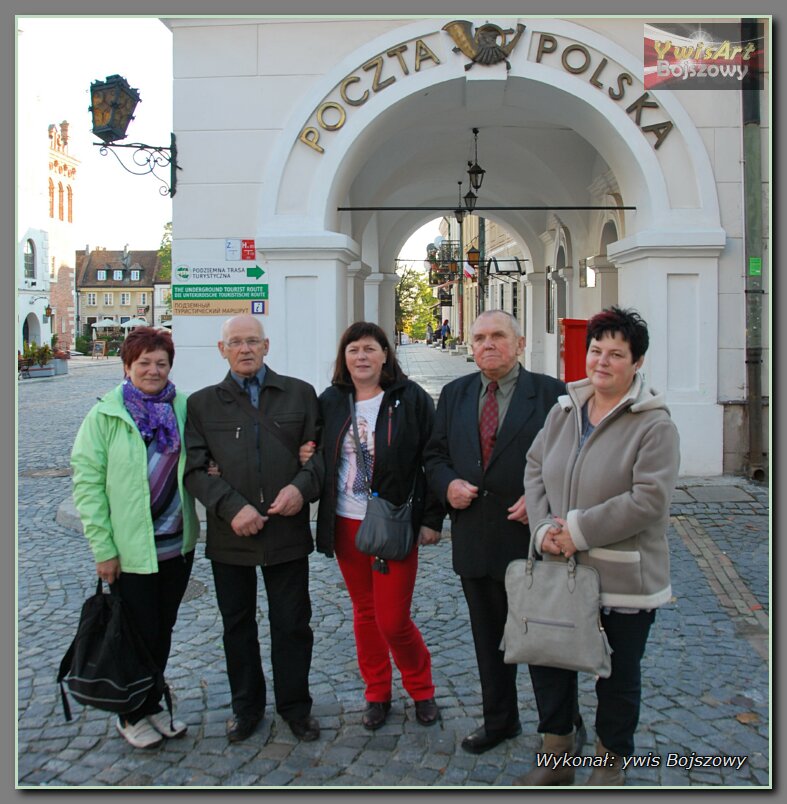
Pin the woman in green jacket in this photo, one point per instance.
(137, 516)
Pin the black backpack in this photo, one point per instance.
(108, 666)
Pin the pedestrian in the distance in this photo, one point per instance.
(445, 333)
(139, 519)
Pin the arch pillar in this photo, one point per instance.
(535, 331)
(566, 275)
(379, 301)
(675, 288)
(606, 280)
(357, 273)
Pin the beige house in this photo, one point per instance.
(116, 285)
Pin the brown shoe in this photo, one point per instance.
(552, 773)
(426, 712)
(611, 773)
(375, 714)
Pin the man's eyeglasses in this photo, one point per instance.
(236, 343)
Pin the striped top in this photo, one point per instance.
(165, 504)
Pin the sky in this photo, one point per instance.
(57, 60)
(113, 208)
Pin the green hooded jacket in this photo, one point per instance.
(111, 489)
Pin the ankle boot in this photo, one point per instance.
(552, 773)
(610, 774)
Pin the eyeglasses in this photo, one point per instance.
(236, 343)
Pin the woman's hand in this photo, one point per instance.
(561, 538)
(428, 535)
(213, 469)
(518, 511)
(305, 451)
(109, 570)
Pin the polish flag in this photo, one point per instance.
(469, 270)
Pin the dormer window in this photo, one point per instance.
(134, 276)
(101, 275)
(118, 275)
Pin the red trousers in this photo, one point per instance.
(381, 619)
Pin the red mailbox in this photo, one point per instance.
(573, 332)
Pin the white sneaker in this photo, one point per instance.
(140, 734)
(161, 723)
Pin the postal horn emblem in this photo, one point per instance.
(489, 44)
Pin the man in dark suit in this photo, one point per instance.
(475, 463)
(242, 438)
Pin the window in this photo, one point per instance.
(135, 276)
(101, 275)
(30, 260)
(515, 300)
(118, 274)
(51, 199)
(143, 298)
(60, 201)
(109, 299)
(70, 205)
(125, 299)
(91, 299)
(52, 269)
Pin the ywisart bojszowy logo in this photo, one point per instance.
(697, 55)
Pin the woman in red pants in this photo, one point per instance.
(394, 417)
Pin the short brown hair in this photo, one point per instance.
(392, 371)
(146, 339)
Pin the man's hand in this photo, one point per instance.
(287, 503)
(428, 535)
(517, 512)
(460, 494)
(108, 570)
(248, 521)
(306, 450)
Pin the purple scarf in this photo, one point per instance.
(154, 414)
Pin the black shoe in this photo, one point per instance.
(305, 728)
(239, 728)
(482, 740)
(426, 712)
(375, 714)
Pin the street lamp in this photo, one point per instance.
(112, 105)
(475, 171)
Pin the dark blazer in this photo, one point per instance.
(257, 454)
(483, 539)
(403, 426)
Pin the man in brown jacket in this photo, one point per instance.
(250, 426)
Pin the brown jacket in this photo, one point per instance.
(257, 455)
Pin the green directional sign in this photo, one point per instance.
(256, 272)
(219, 292)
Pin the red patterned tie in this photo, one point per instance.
(488, 424)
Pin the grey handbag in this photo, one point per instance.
(554, 616)
(386, 531)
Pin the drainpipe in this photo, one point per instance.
(752, 204)
(481, 262)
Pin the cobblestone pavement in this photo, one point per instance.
(706, 669)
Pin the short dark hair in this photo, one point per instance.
(146, 339)
(628, 323)
(392, 371)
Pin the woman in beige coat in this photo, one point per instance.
(598, 484)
